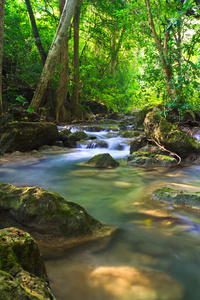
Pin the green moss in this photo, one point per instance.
(176, 197)
(46, 212)
(104, 160)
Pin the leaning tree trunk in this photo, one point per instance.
(2, 9)
(75, 94)
(53, 54)
(61, 113)
(38, 42)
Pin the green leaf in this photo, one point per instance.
(178, 23)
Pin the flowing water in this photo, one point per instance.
(154, 254)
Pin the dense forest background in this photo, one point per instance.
(121, 53)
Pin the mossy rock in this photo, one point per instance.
(150, 156)
(94, 128)
(44, 212)
(27, 136)
(22, 271)
(129, 134)
(178, 198)
(169, 136)
(140, 115)
(104, 160)
(75, 137)
(138, 143)
(64, 134)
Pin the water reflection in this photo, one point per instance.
(155, 254)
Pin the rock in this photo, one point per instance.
(123, 145)
(58, 144)
(122, 282)
(169, 136)
(19, 115)
(43, 212)
(104, 160)
(138, 143)
(94, 128)
(180, 198)
(139, 117)
(115, 116)
(151, 156)
(22, 271)
(91, 137)
(64, 134)
(24, 136)
(129, 134)
(75, 137)
(109, 121)
(93, 144)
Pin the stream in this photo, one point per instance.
(155, 243)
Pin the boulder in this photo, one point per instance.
(93, 144)
(178, 198)
(22, 136)
(64, 134)
(138, 143)
(22, 271)
(169, 136)
(75, 137)
(129, 134)
(139, 117)
(104, 160)
(151, 156)
(43, 212)
(94, 128)
(19, 115)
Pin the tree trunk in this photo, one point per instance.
(77, 111)
(167, 69)
(36, 33)
(75, 94)
(2, 9)
(53, 54)
(61, 113)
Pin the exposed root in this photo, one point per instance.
(163, 148)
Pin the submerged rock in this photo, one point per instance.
(122, 282)
(27, 136)
(178, 198)
(22, 271)
(104, 160)
(43, 212)
(169, 136)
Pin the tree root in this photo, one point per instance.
(163, 148)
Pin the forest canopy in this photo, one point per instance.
(121, 53)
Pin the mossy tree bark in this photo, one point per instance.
(77, 111)
(75, 94)
(61, 113)
(2, 9)
(38, 42)
(53, 54)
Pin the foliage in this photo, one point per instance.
(120, 65)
